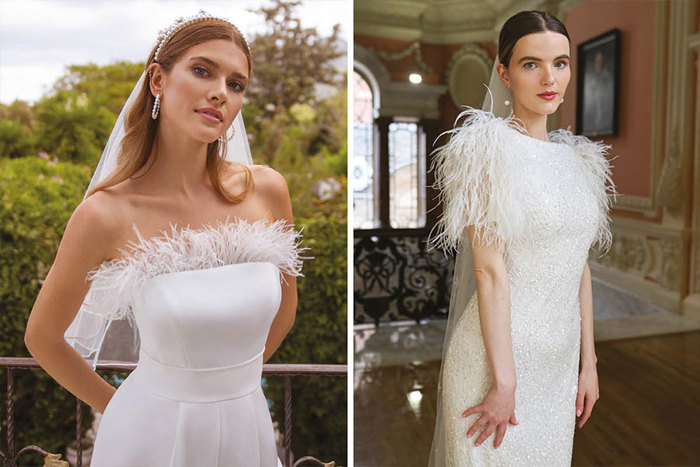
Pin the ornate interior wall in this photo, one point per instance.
(656, 219)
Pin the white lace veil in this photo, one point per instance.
(92, 335)
(464, 282)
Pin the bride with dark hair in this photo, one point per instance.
(522, 207)
(210, 302)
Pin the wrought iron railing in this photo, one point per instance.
(398, 277)
(10, 458)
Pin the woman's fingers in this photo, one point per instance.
(472, 410)
(513, 420)
(500, 433)
(485, 434)
(590, 402)
(477, 426)
(579, 402)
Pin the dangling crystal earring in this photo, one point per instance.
(156, 107)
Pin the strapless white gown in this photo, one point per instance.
(203, 302)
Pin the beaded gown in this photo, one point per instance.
(543, 204)
(203, 302)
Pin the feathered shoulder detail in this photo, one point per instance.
(116, 283)
(475, 172)
(598, 171)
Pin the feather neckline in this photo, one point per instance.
(229, 241)
(116, 283)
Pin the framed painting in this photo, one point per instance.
(598, 85)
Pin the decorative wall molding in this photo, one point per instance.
(400, 99)
(669, 192)
(475, 56)
(438, 21)
(645, 260)
(412, 49)
(691, 303)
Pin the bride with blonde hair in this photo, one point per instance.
(182, 237)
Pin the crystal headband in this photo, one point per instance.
(164, 35)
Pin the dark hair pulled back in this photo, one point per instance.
(524, 23)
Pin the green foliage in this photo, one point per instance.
(37, 196)
(308, 144)
(73, 127)
(108, 85)
(318, 336)
(20, 111)
(290, 61)
(14, 139)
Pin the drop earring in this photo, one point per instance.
(156, 107)
(507, 102)
(233, 133)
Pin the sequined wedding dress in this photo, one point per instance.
(203, 301)
(544, 203)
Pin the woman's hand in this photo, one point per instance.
(497, 409)
(587, 393)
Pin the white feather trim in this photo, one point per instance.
(593, 154)
(115, 284)
(478, 186)
(476, 181)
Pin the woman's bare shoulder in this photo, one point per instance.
(269, 192)
(269, 181)
(98, 221)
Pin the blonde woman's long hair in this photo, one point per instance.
(141, 129)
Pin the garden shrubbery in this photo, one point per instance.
(37, 196)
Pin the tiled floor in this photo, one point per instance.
(397, 367)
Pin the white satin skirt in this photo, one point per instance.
(169, 416)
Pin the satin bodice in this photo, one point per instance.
(207, 318)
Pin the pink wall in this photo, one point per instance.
(636, 22)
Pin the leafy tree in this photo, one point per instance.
(290, 61)
(72, 128)
(14, 139)
(107, 86)
(16, 126)
(20, 111)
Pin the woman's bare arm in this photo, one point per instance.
(585, 296)
(84, 245)
(273, 188)
(588, 392)
(493, 292)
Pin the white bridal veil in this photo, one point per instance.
(91, 334)
(464, 282)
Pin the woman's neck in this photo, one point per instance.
(178, 163)
(535, 123)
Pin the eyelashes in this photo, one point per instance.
(202, 72)
(560, 62)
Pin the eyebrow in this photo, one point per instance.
(213, 64)
(535, 59)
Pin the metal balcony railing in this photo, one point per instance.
(285, 370)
